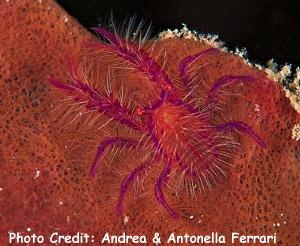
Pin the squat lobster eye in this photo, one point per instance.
(167, 87)
(140, 111)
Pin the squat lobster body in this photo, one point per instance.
(176, 132)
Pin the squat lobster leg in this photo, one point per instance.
(163, 178)
(120, 142)
(183, 65)
(130, 179)
(238, 125)
(226, 80)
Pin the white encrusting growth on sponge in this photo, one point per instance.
(184, 32)
(296, 132)
(37, 174)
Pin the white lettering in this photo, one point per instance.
(19, 238)
(77, 238)
(262, 239)
(234, 236)
(123, 238)
(213, 238)
(11, 237)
